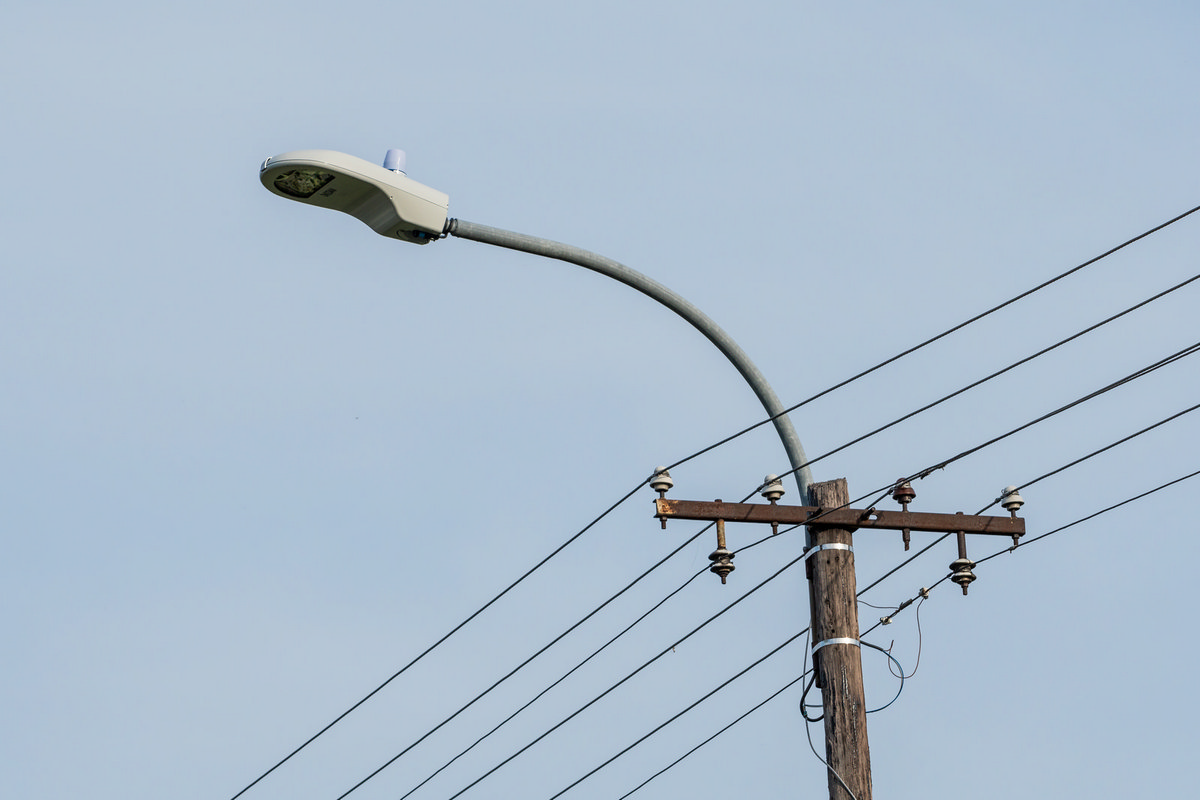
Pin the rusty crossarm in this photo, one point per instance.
(841, 518)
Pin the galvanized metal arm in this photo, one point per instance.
(613, 269)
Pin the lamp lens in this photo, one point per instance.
(302, 183)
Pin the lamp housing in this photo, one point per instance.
(390, 203)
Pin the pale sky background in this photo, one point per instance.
(257, 457)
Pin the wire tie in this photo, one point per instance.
(842, 640)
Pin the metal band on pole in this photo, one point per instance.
(831, 546)
(843, 640)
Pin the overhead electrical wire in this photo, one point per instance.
(1056, 471)
(1191, 349)
(747, 713)
(941, 335)
(940, 465)
(440, 641)
(996, 374)
(1062, 528)
(1139, 373)
(543, 692)
(575, 536)
(920, 597)
(662, 725)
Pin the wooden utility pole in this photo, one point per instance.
(836, 652)
(837, 656)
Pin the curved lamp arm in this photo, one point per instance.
(613, 269)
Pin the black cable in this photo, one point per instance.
(662, 653)
(1094, 453)
(1085, 519)
(674, 763)
(662, 725)
(540, 694)
(440, 641)
(918, 599)
(1163, 362)
(520, 666)
(561, 547)
(940, 336)
(657, 605)
(995, 374)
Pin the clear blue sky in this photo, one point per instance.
(256, 457)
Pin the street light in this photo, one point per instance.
(398, 207)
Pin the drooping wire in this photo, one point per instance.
(940, 336)
(424, 736)
(560, 679)
(809, 720)
(811, 746)
(900, 674)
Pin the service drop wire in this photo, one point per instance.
(941, 335)
(997, 373)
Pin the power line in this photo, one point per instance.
(1094, 453)
(918, 598)
(829, 390)
(1057, 471)
(635, 672)
(941, 465)
(566, 675)
(998, 373)
(662, 725)
(440, 641)
(1089, 517)
(941, 335)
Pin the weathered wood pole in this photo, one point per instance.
(837, 655)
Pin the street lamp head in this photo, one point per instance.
(390, 203)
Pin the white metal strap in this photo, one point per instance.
(830, 546)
